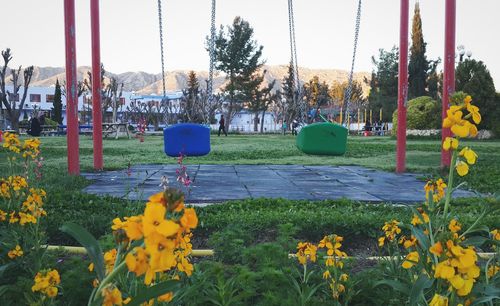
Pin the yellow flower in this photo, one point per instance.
(411, 259)
(185, 266)
(439, 300)
(109, 260)
(495, 234)
(326, 274)
(469, 155)
(16, 252)
(462, 168)
(161, 251)
(454, 226)
(493, 270)
(381, 241)
(444, 270)
(3, 215)
(467, 100)
(450, 142)
(46, 282)
(111, 296)
(137, 261)
(189, 220)
(305, 250)
(436, 249)
(474, 111)
(408, 243)
(133, 227)
(167, 297)
(154, 221)
(466, 287)
(416, 219)
(344, 277)
(391, 229)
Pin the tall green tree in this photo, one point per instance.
(384, 83)
(418, 66)
(57, 104)
(238, 55)
(190, 101)
(473, 77)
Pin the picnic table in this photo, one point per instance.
(107, 129)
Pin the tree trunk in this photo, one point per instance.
(256, 122)
(14, 120)
(262, 121)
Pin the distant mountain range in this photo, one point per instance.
(148, 83)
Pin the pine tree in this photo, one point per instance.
(238, 55)
(418, 66)
(57, 104)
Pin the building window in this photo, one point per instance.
(49, 98)
(13, 97)
(122, 101)
(37, 98)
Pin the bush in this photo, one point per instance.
(423, 113)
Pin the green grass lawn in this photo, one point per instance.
(423, 156)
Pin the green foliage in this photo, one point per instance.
(473, 77)
(423, 113)
(238, 56)
(384, 82)
(57, 104)
(495, 124)
(418, 66)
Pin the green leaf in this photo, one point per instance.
(475, 241)
(4, 268)
(152, 292)
(423, 282)
(398, 286)
(478, 229)
(421, 237)
(89, 243)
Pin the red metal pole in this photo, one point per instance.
(449, 71)
(96, 85)
(71, 88)
(402, 87)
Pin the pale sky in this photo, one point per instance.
(33, 29)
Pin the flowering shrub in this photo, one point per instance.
(441, 258)
(151, 255)
(333, 273)
(21, 211)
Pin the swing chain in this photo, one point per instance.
(211, 50)
(348, 92)
(293, 62)
(161, 47)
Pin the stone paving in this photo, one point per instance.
(218, 183)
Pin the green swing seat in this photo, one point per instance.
(322, 138)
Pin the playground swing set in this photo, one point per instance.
(323, 138)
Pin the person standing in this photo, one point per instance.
(222, 125)
(295, 125)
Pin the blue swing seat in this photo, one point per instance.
(187, 138)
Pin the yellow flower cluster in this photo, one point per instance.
(306, 250)
(30, 147)
(12, 186)
(16, 252)
(333, 263)
(333, 243)
(31, 208)
(461, 127)
(166, 229)
(457, 265)
(417, 220)
(391, 229)
(411, 259)
(458, 123)
(436, 189)
(46, 282)
(408, 243)
(111, 296)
